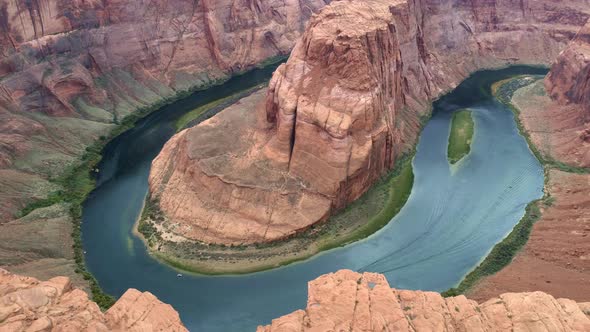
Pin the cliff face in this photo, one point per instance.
(27, 304)
(568, 81)
(349, 301)
(343, 109)
(70, 69)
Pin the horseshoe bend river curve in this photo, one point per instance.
(453, 218)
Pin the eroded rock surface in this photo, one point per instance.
(560, 126)
(556, 258)
(71, 70)
(349, 301)
(27, 304)
(342, 110)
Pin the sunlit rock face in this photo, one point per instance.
(27, 304)
(69, 70)
(342, 110)
(349, 301)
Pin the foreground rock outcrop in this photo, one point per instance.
(27, 304)
(70, 71)
(341, 111)
(349, 301)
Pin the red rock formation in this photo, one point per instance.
(558, 121)
(556, 258)
(349, 301)
(344, 107)
(568, 81)
(27, 304)
(97, 61)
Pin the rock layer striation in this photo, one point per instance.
(27, 304)
(556, 258)
(341, 111)
(349, 301)
(75, 68)
(70, 71)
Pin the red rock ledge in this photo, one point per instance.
(27, 304)
(349, 301)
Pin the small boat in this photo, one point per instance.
(179, 275)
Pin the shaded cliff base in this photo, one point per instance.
(27, 304)
(349, 301)
(556, 258)
(368, 214)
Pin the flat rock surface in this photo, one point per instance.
(27, 304)
(350, 301)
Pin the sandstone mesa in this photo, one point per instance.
(341, 111)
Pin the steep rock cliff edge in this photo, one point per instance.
(349, 301)
(70, 71)
(27, 304)
(341, 111)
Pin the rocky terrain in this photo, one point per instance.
(349, 301)
(344, 300)
(341, 111)
(70, 71)
(27, 304)
(556, 259)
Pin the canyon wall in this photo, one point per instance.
(341, 111)
(71, 70)
(27, 304)
(349, 301)
(555, 115)
(568, 82)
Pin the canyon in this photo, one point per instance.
(73, 71)
(339, 114)
(554, 112)
(346, 107)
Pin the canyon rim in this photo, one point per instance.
(336, 117)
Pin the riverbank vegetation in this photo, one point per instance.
(77, 181)
(504, 252)
(188, 119)
(462, 128)
(371, 212)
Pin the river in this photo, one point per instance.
(453, 218)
